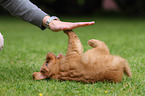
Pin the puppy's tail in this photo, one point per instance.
(127, 69)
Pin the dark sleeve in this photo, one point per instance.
(25, 10)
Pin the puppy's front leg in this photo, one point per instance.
(74, 44)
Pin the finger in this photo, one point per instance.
(80, 24)
(71, 26)
(85, 23)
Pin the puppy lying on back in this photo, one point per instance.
(96, 64)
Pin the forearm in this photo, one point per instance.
(25, 10)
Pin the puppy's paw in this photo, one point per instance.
(93, 43)
(60, 55)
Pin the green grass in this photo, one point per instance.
(26, 47)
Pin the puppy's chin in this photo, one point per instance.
(38, 76)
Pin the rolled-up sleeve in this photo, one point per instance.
(25, 10)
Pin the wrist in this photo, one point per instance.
(45, 20)
(50, 20)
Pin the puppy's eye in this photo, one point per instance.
(42, 72)
(46, 64)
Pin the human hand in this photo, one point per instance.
(56, 25)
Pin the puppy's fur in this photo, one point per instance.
(96, 64)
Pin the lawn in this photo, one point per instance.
(26, 47)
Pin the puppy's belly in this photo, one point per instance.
(74, 75)
(91, 75)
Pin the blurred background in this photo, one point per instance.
(90, 7)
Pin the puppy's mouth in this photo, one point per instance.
(47, 79)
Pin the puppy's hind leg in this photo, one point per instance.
(74, 44)
(98, 44)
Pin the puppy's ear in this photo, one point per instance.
(50, 57)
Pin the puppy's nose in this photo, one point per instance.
(34, 75)
(38, 76)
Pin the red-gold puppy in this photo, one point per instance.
(96, 64)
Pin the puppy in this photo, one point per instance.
(96, 64)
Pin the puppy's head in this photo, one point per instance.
(45, 70)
